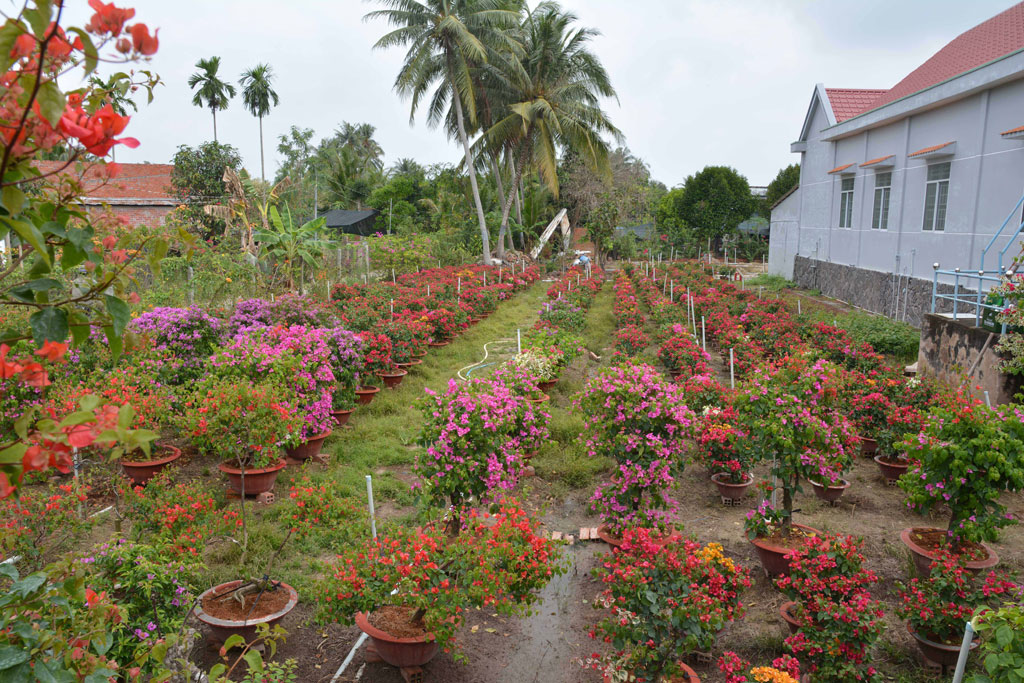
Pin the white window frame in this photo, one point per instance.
(936, 193)
(846, 201)
(882, 203)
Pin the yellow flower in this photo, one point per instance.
(766, 674)
(227, 279)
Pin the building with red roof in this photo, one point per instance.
(894, 180)
(139, 193)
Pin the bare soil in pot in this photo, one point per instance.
(414, 649)
(925, 542)
(141, 471)
(772, 550)
(226, 616)
(393, 379)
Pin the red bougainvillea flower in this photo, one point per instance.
(23, 46)
(52, 351)
(5, 486)
(108, 19)
(144, 43)
(7, 369)
(96, 132)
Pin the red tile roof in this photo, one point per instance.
(878, 160)
(848, 102)
(990, 40)
(1013, 131)
(837, 169)
(134, 184)
(928, 150)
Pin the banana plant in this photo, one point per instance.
(292, 245)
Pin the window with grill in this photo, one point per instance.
(936, 193)
(846, 203)
(883, 188)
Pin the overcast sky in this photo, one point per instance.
(699, 81)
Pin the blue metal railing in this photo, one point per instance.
(1016, 234)
(964, 296)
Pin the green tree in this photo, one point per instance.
(213, 92)
(198, 180)
(555, 92)
(714, 201)
(446, 39)
(258, 96)
(292, 244)
(785, 180)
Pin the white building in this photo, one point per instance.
(893, 181)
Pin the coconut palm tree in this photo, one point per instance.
(213, 92)
(554, 93)
(258, 97)
(446, 39)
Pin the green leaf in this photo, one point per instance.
(71, 256)
(13, 454)
(12, 199)
(1004, 635)
(255, 661)
(8, 34)
(49, 324)
(233, 641)
(114, 342)
(103, 644)
(38, 18)
(80, 417)
(79, 326)
(51, 102)
(28, 585)
(91, 54)
(27, 232)
(120, 313)
(25, 292)
(125, 415)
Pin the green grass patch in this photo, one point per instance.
(772, 283)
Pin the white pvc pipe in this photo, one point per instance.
(965, 650)
(703, 337)
(732, 370)
(369, 497)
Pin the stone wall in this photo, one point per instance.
(950, 348)
(870, 289)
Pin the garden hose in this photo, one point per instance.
(482, 362)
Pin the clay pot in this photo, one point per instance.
(257, 481)
(830, 493)
(410, 365)
(788, 612)
(393, 379)
(687, 675)
(143, 471)
(891, 470)
(225, 628)
(310, 448)
(773, 557)
(421, 354)
(615, 541)
(545, 387)
(868, 447)
(923, 557)
(729, 490)
(400, 652)
(341, 417)
(543, 399)
(439, 344)
(364, 395)
(943, 654)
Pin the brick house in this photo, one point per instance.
(141, 193)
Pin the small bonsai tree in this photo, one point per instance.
(965, 457)
(663, 602)
(499, 561)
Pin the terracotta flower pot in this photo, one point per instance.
(421, 354)
(545, 387)
(341, 417)
(687, 675)
(605, 534)
(393, 379)
(773, 557)
(891, 470)
(439, 344)
(943, 654)
(832, 492)
(364, 395)
(410, 365)
(923, 557)
(400, 652)
(868, 447)
(310, 448)
(728, 490)
(788, 612)
(543, 399)
(225, 628)
(257, 481)
(142, 471)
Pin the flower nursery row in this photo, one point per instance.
(808, 402)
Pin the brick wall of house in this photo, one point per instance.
(142, 215)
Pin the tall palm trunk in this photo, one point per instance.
(263, 173)
(506, 208)
(484, 236)
(496, 170)
(519, 203)
(214, 110)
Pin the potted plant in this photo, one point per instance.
(784, 669)
(347, 366)
(681, 355)
(937, 606)
(411, 591)
(1001, 649)
(834, 621)
(891, 459)
(965, 457)
(870, 415)
(662, 603)
(377, 361)
(638, 419)
(788, 417)
(630, 341)
(540, 366)
(472, 441)
(245, 425)
(715, 441)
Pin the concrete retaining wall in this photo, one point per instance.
(948, 350)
